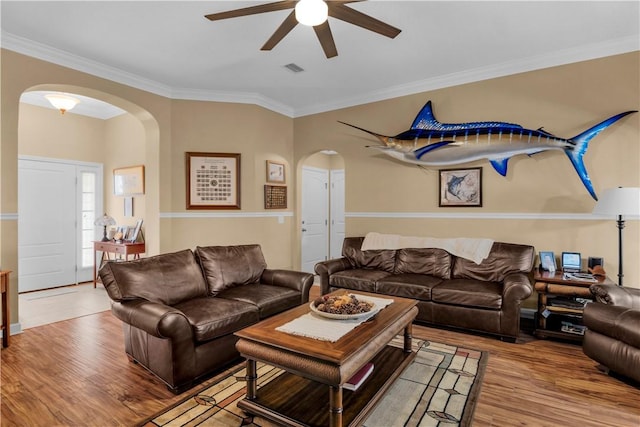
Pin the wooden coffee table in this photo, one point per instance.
(299, 396)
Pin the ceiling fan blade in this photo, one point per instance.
(344, 13)
(323, 31)
(284, 29)
(252, 10)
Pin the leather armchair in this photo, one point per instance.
(613, 329)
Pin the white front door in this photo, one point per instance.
(337, 213)
(315, 212)
(52, 214)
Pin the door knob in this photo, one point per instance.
(304, 229)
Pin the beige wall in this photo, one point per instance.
(565, 100)
(540, 202)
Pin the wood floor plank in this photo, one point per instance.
(75, 372)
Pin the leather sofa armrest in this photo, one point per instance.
(517, 286)
(296, 280)
(157, 319)
(616, 295)
(325, 269)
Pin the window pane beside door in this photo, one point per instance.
(88, 215)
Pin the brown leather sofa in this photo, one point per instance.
(613, 329)
(451, 291)
(180, 310)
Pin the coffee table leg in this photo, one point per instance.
(335, 406)
(407, 338)
(251, 378)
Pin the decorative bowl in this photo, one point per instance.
(372, 312)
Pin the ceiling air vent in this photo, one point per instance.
(294, 68)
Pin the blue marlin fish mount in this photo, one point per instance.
(433, 144)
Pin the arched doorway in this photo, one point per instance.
(85, 138)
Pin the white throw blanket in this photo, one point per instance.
(472, 249)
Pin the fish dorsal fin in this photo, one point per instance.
(425, 118)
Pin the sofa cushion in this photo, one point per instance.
(357, 279)
(432, 261)
(167, 279)
(415, 286)
(215, 317)
(468, 293)
(504, 259)
(375, 259)
(228, 266)
(267, 298)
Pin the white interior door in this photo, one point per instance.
(55, 222)
(336, 195)
(315, 212)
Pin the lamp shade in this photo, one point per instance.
(311, 12)
(61, 101)
(104, 220)
(619, 201)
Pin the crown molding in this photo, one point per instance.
(547, 60)
(551, 59)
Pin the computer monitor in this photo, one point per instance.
(571, 262)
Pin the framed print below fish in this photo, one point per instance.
(460, 187)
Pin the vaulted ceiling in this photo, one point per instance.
(169, 48)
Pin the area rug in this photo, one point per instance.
(439, 388)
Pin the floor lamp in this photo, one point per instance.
(619, 202)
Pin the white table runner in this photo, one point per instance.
(314, 326)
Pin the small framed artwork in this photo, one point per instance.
(128, 181)
(213, 180)
(275, 172)
(460, 187)
(137, 231)
(548, 261)
(128, 206)
(275, 197)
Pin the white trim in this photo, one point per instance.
(63, 161)
(225, 214)
(56, 56)
(485, 215)
(8, 216)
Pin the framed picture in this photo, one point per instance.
(128, 181)
(460, 187)
(128, 206)
(548, 261)
(275, 197)
(275, 172)
(213, 180)
(136, 231)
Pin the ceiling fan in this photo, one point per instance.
(334, 8)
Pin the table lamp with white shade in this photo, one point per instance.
(104, 221)
(619, 202)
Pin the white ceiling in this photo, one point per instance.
(169, 48)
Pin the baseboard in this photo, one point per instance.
(16, 328)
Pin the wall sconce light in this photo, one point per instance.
(104, 221)
(311, 12)
(62, 102)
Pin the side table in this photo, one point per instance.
(111, 247)
(6, 319)
(561, 303)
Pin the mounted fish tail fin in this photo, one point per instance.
(581, 143)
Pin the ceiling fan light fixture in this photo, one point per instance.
(311, 12)
(62, 102)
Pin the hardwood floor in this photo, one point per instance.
(75, 373)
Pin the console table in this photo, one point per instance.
(6, 321)
(561, 303)
(111, 247)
